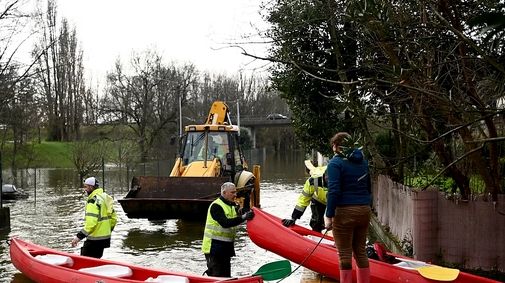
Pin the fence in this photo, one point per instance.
(466, 233)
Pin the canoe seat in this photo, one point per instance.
(169, 279)
(323, 240)
(55, 259)
(111, 270)
(410, 264)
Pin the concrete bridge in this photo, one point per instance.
(251, 123)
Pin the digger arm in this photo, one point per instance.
(218, 114)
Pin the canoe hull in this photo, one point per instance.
(267, 231)
(23, 254)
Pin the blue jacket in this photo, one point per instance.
(348, 182)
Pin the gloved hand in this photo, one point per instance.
(328, 222)
(248, 215)
(288, 222)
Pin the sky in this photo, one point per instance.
(183, 31)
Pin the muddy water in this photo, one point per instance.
(53, 213)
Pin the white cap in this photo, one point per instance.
(91, 181)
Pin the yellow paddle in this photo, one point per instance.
(430, 271)
(439, 273)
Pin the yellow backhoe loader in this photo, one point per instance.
(210, 155)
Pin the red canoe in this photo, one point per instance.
(316, 252)
(43, 264)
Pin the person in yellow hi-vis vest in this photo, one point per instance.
(313, 193)
(219, 235)
(99, 220)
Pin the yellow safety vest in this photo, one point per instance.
(100, 218)
(311, 192)
(214, 231)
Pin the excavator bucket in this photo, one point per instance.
(171, 197)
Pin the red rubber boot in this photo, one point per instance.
(346, 276)
(363, 275)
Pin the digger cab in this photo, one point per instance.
(211, 149)
(205, 147)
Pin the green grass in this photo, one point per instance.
(35, 155)
(54, 154)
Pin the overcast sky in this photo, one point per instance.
(182, 31)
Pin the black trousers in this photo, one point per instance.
(219, 266)
(317, 218)
(93, 248)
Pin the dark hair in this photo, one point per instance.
(338, 138)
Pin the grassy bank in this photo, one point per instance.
(38, 155)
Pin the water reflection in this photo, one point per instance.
(280, 167)
(53, 213)
(175, 234)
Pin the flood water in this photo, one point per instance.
(54, 211)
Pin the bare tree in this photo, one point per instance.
(147, 99)
(18, 101)
(87, 156)
(61, 77)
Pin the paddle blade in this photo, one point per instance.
(439, 273)
(274, 270)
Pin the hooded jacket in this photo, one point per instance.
(100, 218)
(348, 181)
(310, 192)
